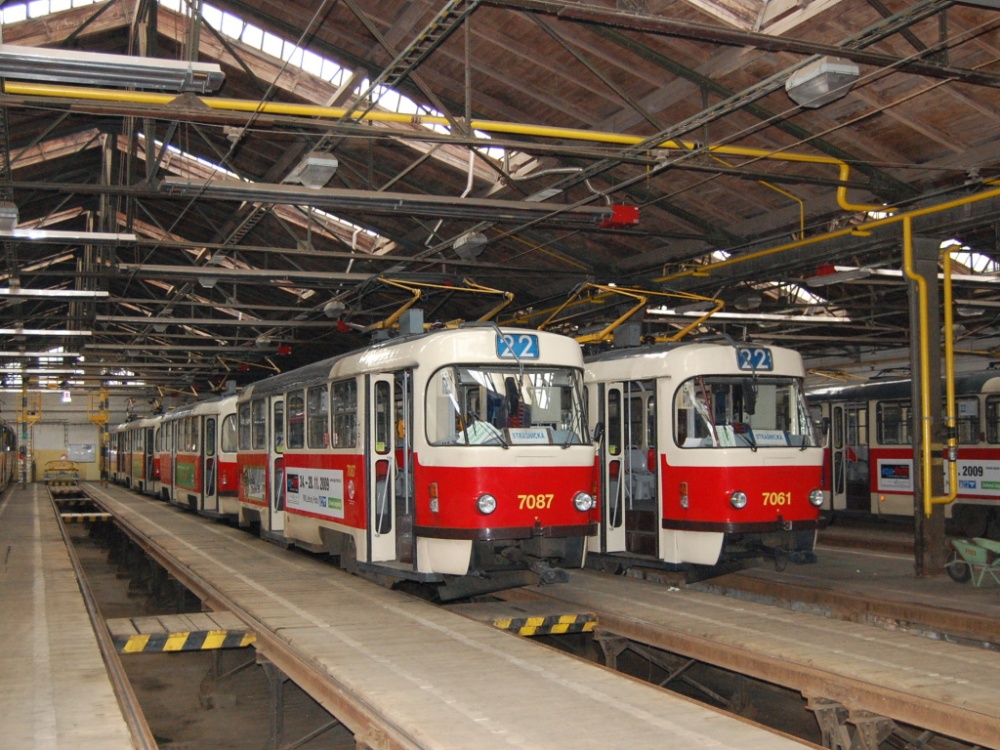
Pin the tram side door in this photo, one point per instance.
(276, 465)
(148, 452)
(838, 466)
(381, 467)
(612, 469)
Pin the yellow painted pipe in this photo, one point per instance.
(927, 449)
(487, 126)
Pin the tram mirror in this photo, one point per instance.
(749, 396)
(599, 432)
(513, 396)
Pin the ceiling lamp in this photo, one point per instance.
(100, 69)
(334, 308)
(838, 277)
(315, 170)
(470, 245)
(821, 82)
(8, 216)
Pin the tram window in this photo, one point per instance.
(892, 420)
(636, 422)
(968, 420)
(194, 437)
(345, 414)
(317, 414)
(210, 436)
(651, 423)
(258, 425)
(296, 420)
(383, 414)
(279, 427)
(244, 431)
(614, 428)
(993, 419)
(227, 440)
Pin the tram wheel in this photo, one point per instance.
(958, 570)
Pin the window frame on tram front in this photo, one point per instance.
(499, 404)
(724, 411)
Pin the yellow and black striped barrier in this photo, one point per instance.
(529, 618)
(547, 625)
(171, 633)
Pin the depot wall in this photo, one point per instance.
(70, 430)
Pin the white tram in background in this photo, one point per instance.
(197, 451)
(870, 448)
(459, 452)
(707, 453)
(186, 457)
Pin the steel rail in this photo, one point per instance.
(135, 719)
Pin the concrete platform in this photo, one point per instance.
(55, 691)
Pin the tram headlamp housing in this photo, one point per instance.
(816, 497)
(738, 500)
(486, 503)
(583, 501)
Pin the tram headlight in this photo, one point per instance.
(738, 500)
(816, 497)
(486, 503)
(583, 501)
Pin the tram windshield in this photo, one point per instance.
(726, 411)
(504, 406)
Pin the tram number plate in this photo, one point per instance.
(517, 346)
(754, 358)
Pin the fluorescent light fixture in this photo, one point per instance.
(43, 332)
(38, 371)
(470, 245)
(838, 277)
(42, 235)
(754, 317)
(39, 355)
(821, 82)
(100, 69)
(315, 170)
(14, 292)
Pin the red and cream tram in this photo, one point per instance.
(198, 457)
(455, 452)
(132, 458)
(707, 454)
(870, 448)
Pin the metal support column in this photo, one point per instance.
(928, 533)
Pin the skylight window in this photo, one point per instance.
(966, 256)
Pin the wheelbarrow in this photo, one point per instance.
(974, 559)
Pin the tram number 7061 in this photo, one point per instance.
(777, 498)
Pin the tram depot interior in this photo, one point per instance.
(243, 188)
